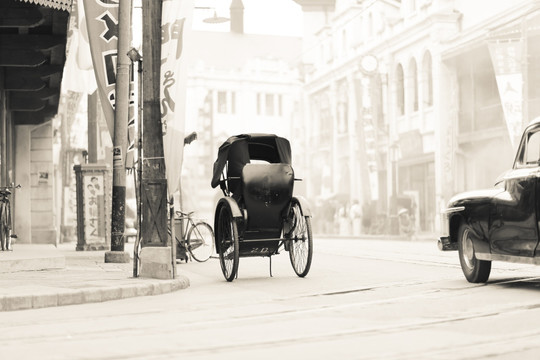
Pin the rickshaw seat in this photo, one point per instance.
(267, 191)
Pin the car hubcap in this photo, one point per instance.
(468, 249)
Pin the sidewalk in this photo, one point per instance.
(37, 276)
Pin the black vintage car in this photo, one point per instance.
(500, 224)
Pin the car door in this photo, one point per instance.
(514, 229)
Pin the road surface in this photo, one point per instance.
(363, 299)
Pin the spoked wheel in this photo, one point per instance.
(301, 243)
(227, 243)
(475, 271)
(4, 237)
(4, 229)
(201, 241)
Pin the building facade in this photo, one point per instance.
(33, 37)
(237, 83)
(410, 91)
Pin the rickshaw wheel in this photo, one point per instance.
(301, 243)
(227, 243)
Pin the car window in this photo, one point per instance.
(532, 154)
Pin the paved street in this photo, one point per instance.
(363, 299)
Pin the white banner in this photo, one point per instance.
(78, 70)
(506, 57)
(175, 27)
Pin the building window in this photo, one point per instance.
(400, 91)
(370, 26)
(226, 101)
(413, 85)
(412, 5)
(342, 108)
(427, 80)
(222, 102)
(269, 104)
(344, 46)
(479, 102)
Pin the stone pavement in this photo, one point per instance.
(37, 276)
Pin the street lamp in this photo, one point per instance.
(135, 56)
(214, 19)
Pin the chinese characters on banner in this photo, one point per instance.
(94, 209)
(506, 58)
(102, 24)
(176, 23)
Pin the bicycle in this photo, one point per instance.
(196, 238)
(5, 218)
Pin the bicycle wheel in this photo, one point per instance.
(227, 243)
(301, 243)
(200, 241)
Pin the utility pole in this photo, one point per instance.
(155, 254)
(117, 254)
(154, 183)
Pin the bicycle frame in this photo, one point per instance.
(184, 229)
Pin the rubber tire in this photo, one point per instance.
(207, 235)
(4, 232)
(227, 233)
(303, 234)
(3, 238)
(475, 271)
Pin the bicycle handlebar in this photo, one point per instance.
(5, 190)
(183, 214)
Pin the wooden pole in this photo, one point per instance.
(154, 183)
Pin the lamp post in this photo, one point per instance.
(135, 56)
(121, 110)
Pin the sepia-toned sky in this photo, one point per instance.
(272, 17)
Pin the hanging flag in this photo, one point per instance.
(102, 25)
(78, 71)
(175, 27)
(506, 58)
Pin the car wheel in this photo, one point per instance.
(475, 271)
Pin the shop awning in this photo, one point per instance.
(55, 4)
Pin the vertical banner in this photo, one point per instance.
(78, 71)
(175, 26)
(506, 57)
(102, 25)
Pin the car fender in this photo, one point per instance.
(474, 211)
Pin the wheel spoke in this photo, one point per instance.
(300, 243)
(228, 244)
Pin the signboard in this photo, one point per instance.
(94, 208)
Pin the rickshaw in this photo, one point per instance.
(258, 214)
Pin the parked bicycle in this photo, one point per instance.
(196, 239)
(5, 217)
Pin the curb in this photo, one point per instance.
(143, 287)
